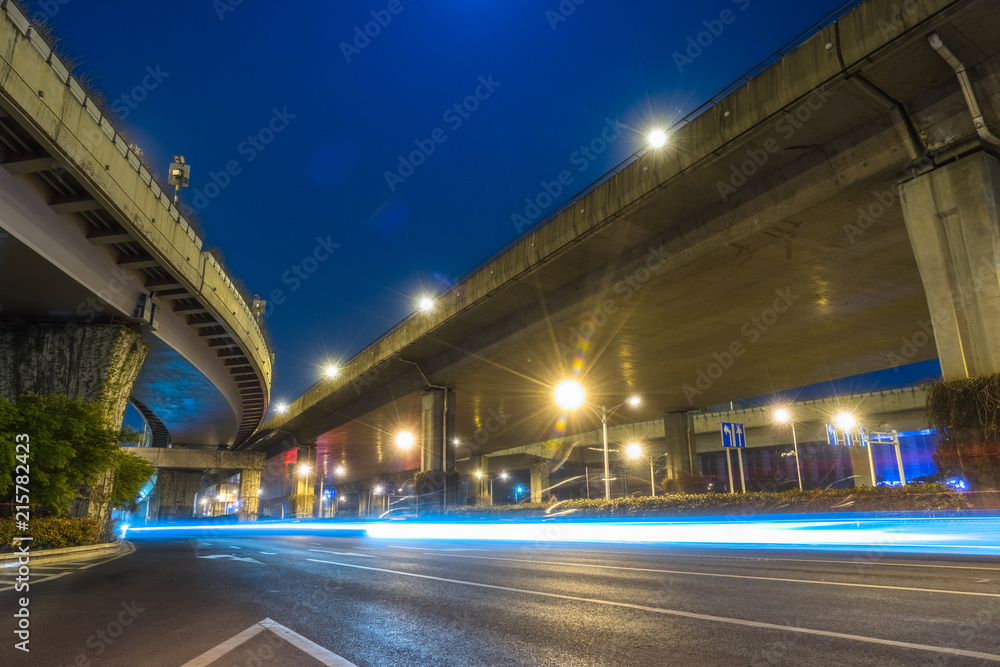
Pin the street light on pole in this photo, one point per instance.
(784, 416)
(570, 395)
(635, 451)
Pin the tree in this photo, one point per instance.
(131, 474)
(71, 444)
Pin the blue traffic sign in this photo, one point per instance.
(733, 435)
(831, 435)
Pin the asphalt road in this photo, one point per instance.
(392, 602)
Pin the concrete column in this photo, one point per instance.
(437, 428)
(952, 218)
(249, 494)
(677, 443)
(364, 502)
(152, 505)
(176, 492)
(539, 481)
(93, 362)
(304, 503)
(862, 470)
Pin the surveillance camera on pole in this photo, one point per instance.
(180, 175)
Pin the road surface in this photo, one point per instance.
(308, 600)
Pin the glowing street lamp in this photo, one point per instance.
(570, 395)
(339, 471)
(405, 440)
(845, 421)
(425, 304)
(657, 138)
(635, 451)
(282, 408)
(784, 416)
(303, 469)
(331, 371)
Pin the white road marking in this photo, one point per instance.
(38, 581)
(344, 553)
(308, 647)
(245, 560)
(865, 563)
(734, 576)
(686, 614)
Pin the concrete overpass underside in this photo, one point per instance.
(765, 249)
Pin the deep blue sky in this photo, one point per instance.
(222, 73)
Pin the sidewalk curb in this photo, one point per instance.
(120, 547)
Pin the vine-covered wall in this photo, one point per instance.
(97, 362)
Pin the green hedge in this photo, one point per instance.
(55, 533)
(913, 497)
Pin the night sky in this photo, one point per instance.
(311, 117)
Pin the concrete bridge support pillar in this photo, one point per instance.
(862, 469)
(437, 454)
(304, 499)
(94, 362)
(249, 495)
(678, 444)
(176, 492)
(539, 481)
(437, 429)
(952, 215)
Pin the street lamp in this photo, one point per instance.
(282, 408)
(784, 416)
(635, 451)
(425, 304)
(331, 371)
(405, 440)
(339, 471)
(657, 138)
(570, 395)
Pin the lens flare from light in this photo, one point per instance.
(782, 416)
(633, 450)
(405, 440)
(845, 421)
(569, 395)
(657, 138)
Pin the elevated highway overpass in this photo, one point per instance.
(835, 215)
(102, 280)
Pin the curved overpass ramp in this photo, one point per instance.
(90, 238)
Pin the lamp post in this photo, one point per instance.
(570, 395)
(480, 474)
(635, 451)
(784, 416)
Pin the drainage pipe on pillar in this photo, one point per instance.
(966, 85)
